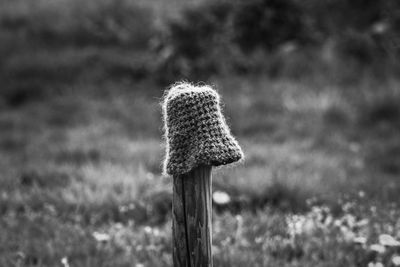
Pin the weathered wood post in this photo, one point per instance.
(197, 138)
(191, 221)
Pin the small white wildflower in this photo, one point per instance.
(309, 226)
(239, 227)
(362, 223)
(373, 209)
(118, 226)
(298, 224)
(258, 240)
(396, 260)
(221, 198)
(360, 240)
(101, 237)
(337, 223)
(348, 235)
(350, 220)
(389, 241)
(379, 27)
(64, 262)
(156, 232)
(123, 209)
(377, 248)
(316, 209)
(148, 230)
(328, 220)
(347, 206)
(243, 242)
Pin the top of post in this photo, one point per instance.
(195, 130)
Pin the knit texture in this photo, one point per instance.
(195, 130)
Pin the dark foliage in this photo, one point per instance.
(266, 23)
(108, 23)
(225, 35)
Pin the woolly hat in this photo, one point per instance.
(195, 130)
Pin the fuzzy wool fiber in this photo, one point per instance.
(195, 130)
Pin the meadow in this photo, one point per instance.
(81, 149)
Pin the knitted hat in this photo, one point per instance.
(195, 130)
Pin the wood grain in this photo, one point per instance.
(192, 211)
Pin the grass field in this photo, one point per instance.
(81, 150)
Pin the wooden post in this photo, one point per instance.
(191, 224)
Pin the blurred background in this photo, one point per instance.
(311, 90)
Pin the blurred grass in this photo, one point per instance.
(80, 162)
(81, 148)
